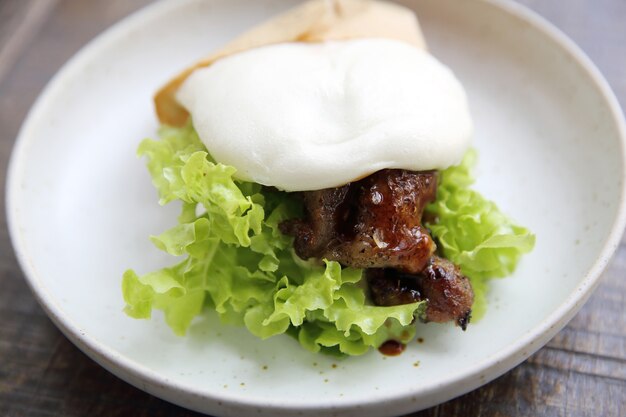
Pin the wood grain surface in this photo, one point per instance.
(581, 372)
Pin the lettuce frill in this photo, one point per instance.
(237, 262)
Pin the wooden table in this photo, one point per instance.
(581, 372)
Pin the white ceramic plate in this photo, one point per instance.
(551, 141)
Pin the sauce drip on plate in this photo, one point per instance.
(392, 348)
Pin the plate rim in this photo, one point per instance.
(153, 382)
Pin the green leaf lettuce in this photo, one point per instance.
(234, 259)
(473, 233)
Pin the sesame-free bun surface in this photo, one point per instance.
(313, 21)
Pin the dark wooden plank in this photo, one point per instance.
(582, 371)
(21, 20)
(41, 372)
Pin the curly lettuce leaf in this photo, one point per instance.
(238, 263)
(473, 233)
(235, 260)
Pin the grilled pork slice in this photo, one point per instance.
(441, 283)
(371, 223)
(375, 223)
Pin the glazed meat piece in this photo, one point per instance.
(448, 292)
(326, 212)
(375, 223)
(371, 223)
